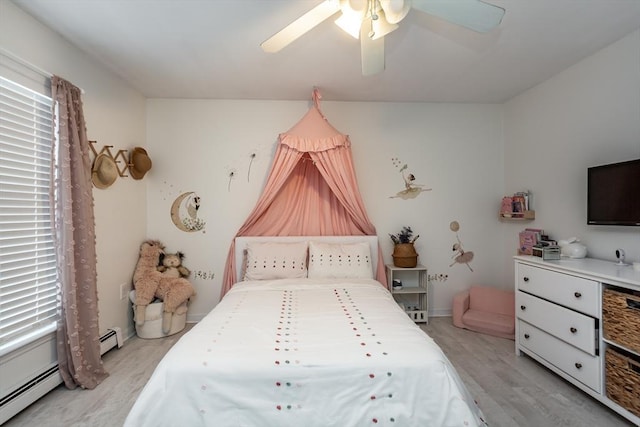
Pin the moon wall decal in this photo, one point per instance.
(184, 212)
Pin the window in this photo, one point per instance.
(28, 278)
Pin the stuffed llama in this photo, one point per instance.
(149, 283)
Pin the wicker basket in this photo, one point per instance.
(404, 255)
(621, 318)
(623, 380)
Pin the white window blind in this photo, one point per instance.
(28, 278)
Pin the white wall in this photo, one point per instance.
(455, 149)
(585, 116)
(115, 115)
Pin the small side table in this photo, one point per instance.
(414, 294)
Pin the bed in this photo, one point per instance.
(327, 347)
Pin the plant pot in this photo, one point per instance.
(404, 255)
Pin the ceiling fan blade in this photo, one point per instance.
(473, 14)
(300, 26)
(371, 51)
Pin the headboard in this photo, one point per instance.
(241, 244)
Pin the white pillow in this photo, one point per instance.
(267, 260)
(340, 260)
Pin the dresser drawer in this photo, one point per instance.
(568, 325)
(573, 292)
(578, 364)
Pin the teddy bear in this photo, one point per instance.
(149, 283)
(171, 265)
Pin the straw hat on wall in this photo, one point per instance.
(140, 163)
(104, 171)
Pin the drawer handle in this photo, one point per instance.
(525, 278)
(578, 365)
(573, 330)
(523, 307)
(526, 336)
(577, 294)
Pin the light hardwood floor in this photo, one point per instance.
(516, 390)
(512, 391)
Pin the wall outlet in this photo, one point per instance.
(124, 290)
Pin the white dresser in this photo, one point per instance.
(559, 318)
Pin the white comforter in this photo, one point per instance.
(305, 353)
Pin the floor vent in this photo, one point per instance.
(111, 339)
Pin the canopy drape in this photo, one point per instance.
(311, 190)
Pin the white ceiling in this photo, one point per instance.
(210, 48)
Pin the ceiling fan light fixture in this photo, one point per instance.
(395, 10)
(357, 6)
(353, 12)
(349, 25)
(381, 27)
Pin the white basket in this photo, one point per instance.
(152, 327)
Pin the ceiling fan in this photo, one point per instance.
(371, 20)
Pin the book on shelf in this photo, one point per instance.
(516, 206)
(523, 197)
(506, 208)
(519, 205)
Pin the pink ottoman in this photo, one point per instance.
(487, 310)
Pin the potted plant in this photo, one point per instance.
(404, 252)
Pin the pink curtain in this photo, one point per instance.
(78, 338)
(311, 190)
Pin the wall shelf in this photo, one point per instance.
(518, 216)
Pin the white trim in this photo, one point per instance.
(24, 63)
(32, 67)
(26, 339)
(443, 312)
(16, 405)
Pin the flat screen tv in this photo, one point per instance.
(613, 194)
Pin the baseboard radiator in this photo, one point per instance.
(111, 339)
(48, 379)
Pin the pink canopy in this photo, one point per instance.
(311, 190)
